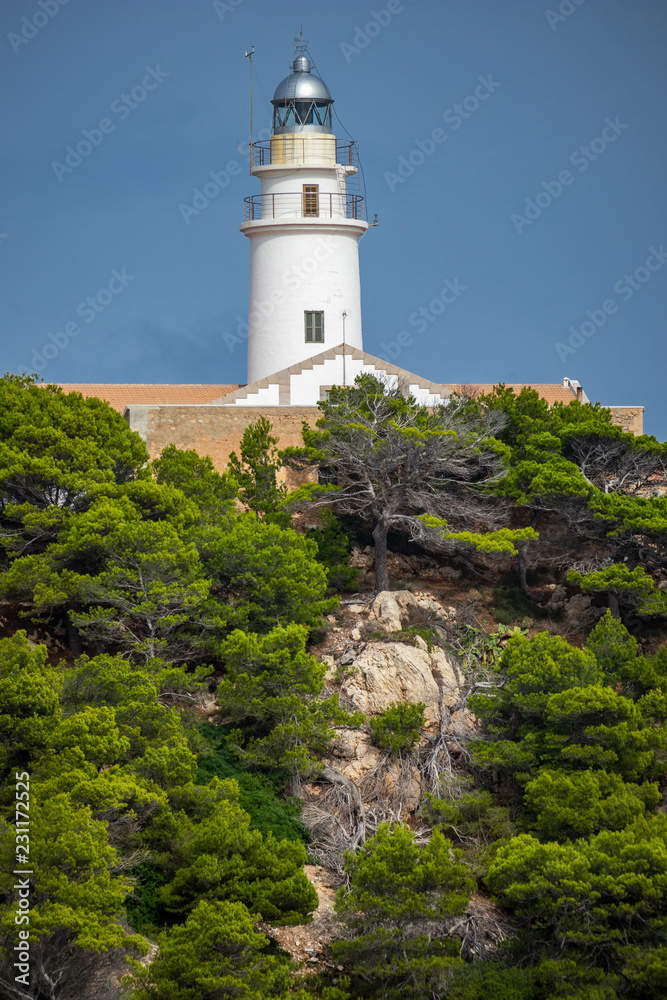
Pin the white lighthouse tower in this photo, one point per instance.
(304, 229)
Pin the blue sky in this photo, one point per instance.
(567, 125)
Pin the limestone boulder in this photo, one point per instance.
(390, 672)
(577, 605)
(557, 599)
(446, 677)
(386, 611)
(391, 609)
(354, 755)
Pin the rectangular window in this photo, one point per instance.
(311, 199)
(314, 322)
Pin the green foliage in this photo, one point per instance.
(567, 806)
(257, 792)
(55, 448)
(106, 680)
(587, 885)
(333, 551)
(216, 856)
(629, 588)
(606, 892)
(153, 588)
(123, 571)
(397, 892)
(554, 711)
(470, 816)
(493, 981)
(76, 902)
(264, 576)
(272, 689)
(216, 953)
(493, 543)
(399, 727)
(29, 702)
(145, 912)
(256, 473)
(196, 478)
(634, 519)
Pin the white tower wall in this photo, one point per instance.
(304, 255)
(294, 269)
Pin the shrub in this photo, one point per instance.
(399, 727)
(333, 551)
(258, 794)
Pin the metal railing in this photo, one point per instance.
(303, 149)
(297, 205)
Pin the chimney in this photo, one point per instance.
(580, 394)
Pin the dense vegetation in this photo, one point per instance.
(177, 589)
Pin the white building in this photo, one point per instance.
(304, 228)
(304, 325)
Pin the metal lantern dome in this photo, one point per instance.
(302, 102)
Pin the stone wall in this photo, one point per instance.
(630, 418)
(216, 431)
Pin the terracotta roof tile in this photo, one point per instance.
(551, 393)
(120, 396)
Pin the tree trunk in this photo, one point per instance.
(613, 606)
(357, 806)
(523, 579)
(380, 533)
(73, 637)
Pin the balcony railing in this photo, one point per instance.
(303, 150)
(296, 205)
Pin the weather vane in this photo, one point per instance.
(299, 43)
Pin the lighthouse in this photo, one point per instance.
(304, 229)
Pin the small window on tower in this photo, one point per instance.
(311, 199)
(314, 327)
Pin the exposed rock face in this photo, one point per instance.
(361, 785)
(404, 566)
(391, 609)
(391, 672)
(386, 612)
(354, 754)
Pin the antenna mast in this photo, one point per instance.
(299, 43)
(249, 56)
